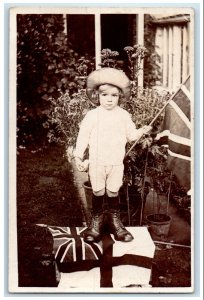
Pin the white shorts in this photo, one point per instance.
(106, 177)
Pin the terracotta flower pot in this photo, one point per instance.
(87, 206)
(159, 224)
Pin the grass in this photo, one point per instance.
(45, 189)
(46, 194)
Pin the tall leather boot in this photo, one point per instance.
(95, 228)
(115, 224)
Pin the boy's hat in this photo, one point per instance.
(111, 76)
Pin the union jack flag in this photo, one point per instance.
(176, 134)
(72, 253)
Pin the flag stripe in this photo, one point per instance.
(187, 82)
(58, 230)
(106, 270)
(84, 265)
(179, 149)
(60, 236)
(94, 249)
(175, 124)
(176, 148)
(63, 248)
(180, 113)
(83, 250)
(180, 99)
(186, 92)
(130, 259)
(80, 230)
(77, 249)
(179, 155)
(176, 154)
(175, 138)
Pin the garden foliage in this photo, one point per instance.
(65, 117)
(46, 67)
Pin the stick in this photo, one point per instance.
(169, 191)
(172, 244)
(157, 115)
(128, 205)
(143, 187)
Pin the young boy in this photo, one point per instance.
(105, 130)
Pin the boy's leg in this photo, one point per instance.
(113, 214)
(94, 230)
(114, 222)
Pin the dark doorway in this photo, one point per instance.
(81, 34)
(117, 32)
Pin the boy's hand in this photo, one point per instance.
(82, 166)
(79, 164)
(146, 129)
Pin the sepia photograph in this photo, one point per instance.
(101, 150)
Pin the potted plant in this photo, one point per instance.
(160, 179)
(143, 106)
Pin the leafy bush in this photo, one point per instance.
(46, 67)
(143, 105)
(109, 59)
(66, 115)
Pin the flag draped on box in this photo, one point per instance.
(176, 134)
(72, 253)
(108, 263)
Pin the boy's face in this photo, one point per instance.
(108, 96)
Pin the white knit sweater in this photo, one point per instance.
(106, 133)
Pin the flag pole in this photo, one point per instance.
(157, 115)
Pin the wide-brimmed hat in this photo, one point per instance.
(107, 76)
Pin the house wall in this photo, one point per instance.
(172, 44)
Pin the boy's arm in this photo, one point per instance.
(83, 137)
(133, 133)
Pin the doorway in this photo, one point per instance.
(117, 32)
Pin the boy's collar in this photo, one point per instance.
(103, 109)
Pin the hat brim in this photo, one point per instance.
(107, 76)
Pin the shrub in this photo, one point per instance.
(143, 105)
(65, 117)
(46, 67)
